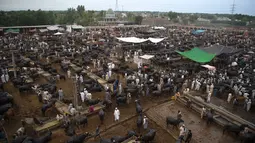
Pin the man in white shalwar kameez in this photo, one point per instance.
(211, 88)
(82, 96)
(7, 77)
(209, 97)
(68, 73)
(81, 78)
(120, 88)
(3, 79)
(110, 73)
(192, 85)
(89, 96)
(248, 105)
(116, 114)
(229, 97)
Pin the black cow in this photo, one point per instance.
(149, 136)
(47, 106)
(131, 134)
(69, 129)
(105, 140)
(156, 92)
(5, 100)
(20, 139)
(172, 121)
(81, 120)
(138, 107)
(121, 99)
(93, 101)
(209, 116)
(25, 88)
(78, 138)
(89, 81)
(5, 108)
(101, 115)
(139, 122)
(248, 137)
(44, 139)
(234, 129)
(118, 139)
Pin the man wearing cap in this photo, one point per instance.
(116, 114)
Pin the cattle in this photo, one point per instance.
(81, 120)
(45, 107)
(234, 128)
(5, 108)
(69, 129)
(78, 138)
(172, 121)
(139, 122)
(25, 88)
(44, 139)
(138, 107)
(131, 134)
(5, 100)
(248, 137)
(93, 101)
(121, 100)
(149, 136)
(105, 140)
(209, 116)
(156, 92)
(21, 139)
(118, 139)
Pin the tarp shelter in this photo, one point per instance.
(146, 58)
(12, 31)
(58, 33)
(209, 67)
(156, 40)
(140, 40)
(77, 27)
(32, 30)
(196, 32)
(220, 49)
(197, 55)
(159, 28)
(132, 40)
(43, 30)
(52, 28)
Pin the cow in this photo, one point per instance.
(139, 122)
(139, 109)
(78, 138)
(5, 108)
(44, 139)
(149, 136)
(81, 120)
(69, 129)
(92, 101)
(172, 121)
(234, 129)
(118, 139)
(47, 106)
(121, 99)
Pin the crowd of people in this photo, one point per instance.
(167, 73)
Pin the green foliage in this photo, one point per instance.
(138, 20)
(172, 15)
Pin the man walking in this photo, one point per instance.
(60, 94)
(97, 132)
(116, 114)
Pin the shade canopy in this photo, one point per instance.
(12, 31)
(58, 33)
(220, 49)
(52, 28)
(196, 32)
(140, 40)
(209, 67)
(147, 57)
(43, 30)
(197, 55)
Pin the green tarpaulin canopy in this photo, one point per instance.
(12, 31)
(197, 55)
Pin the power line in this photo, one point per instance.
(116, 6)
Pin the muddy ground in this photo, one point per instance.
(28, 106)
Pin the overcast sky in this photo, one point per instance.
(193, 6)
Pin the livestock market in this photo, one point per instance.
(128, 84)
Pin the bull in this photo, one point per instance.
(172, 121)
(149, 136)
(78, 138)
(44, 139)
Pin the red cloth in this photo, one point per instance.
(91, 108)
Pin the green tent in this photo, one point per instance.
(12, 31)
(197, 55)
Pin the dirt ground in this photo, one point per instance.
(202, 133)
(28, 106)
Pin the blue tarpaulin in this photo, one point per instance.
(196, 32)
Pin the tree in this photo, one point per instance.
(193, 18)
(80, 10)
(172, 15)
(138, 20)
